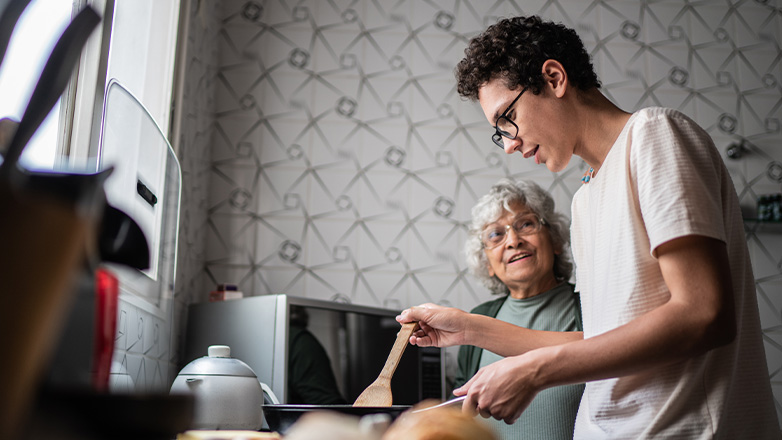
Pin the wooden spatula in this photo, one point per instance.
(378, 393)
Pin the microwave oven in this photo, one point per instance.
(356, 340)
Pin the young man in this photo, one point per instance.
(672, 345)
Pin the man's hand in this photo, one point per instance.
(504, 389)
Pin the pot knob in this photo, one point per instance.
(219, 351)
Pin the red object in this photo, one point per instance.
(216, 295)
(224, 295)
(106, 300)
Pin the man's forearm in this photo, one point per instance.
(507, 339)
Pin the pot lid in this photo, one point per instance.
(218, 363)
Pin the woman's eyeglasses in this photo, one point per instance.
(496, 235)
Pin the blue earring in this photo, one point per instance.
(588, 176)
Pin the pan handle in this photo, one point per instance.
(267, 392)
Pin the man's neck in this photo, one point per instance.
(603, 122)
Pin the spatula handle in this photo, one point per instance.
(400, 344)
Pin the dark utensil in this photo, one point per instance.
(281, 417)
(51, 84)
(13, 10)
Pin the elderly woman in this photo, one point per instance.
(518, 248)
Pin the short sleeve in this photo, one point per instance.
(675, 172)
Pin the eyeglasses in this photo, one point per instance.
(524, 225)
(504, 127)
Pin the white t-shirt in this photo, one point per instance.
(664, 179)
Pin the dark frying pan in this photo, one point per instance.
(281, 417)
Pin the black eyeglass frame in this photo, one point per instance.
(499, 134)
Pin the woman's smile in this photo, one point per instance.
(518, 257)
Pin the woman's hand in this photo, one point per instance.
(439, 326)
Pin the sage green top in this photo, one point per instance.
(552, 414)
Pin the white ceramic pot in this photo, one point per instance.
(227, 392)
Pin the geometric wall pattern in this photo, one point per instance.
(141, 350)
(329, 156)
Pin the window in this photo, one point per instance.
(142, 53)
(34, 36)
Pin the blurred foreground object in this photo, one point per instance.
(205, 434)
(329, 425)
(46, 229)
(7, 130)
(444, 423)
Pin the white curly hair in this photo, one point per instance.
(491, 207)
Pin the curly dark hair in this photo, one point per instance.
(515, 49)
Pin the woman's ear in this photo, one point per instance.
(489, 268)
(555, 77)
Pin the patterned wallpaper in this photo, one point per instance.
(194, 152)
(337, 162)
